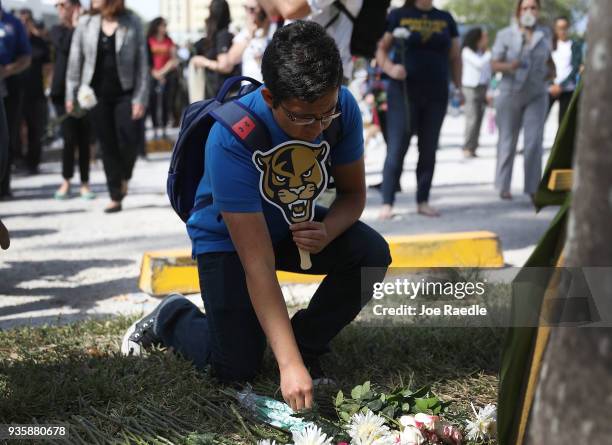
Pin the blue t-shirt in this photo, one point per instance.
(14, 40)
(426, 49)
(232, 178)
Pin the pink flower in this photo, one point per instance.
(426, 422)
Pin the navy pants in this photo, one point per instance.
(426, 118)
(230, 338)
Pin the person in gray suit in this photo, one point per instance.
(108, 53)
(522, 53)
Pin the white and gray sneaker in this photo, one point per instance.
(141, 335)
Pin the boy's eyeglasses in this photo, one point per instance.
(300, 120)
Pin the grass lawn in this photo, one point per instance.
(73, 375)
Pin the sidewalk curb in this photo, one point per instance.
(167, 271)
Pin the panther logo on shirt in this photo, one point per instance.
(424, 26)
(293, 176)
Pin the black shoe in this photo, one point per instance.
(113, 209)
(141, 335)
(318, 376)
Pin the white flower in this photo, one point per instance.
(86, 97)
(369, 429)
(311, 435)
(484, 425)
(410, 435)
(266, 442)
(401, 33)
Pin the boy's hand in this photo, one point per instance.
(5, 241)
(296, 387)
(309, 236)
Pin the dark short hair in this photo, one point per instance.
(75, 2)
(301, 62)
(472, 37)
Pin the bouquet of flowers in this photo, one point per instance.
(401, 417)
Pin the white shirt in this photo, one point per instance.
(562, 57)
(322, 12)
(253, 53)
(476, 68)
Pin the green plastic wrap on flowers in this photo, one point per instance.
(272, 412)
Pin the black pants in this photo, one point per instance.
(13, 105)
(76, 134)
(230, 338)
(34, 117)
(564, 100)
(426, 118)
(118, 136)
(161, 98)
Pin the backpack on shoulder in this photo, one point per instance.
(187, 161)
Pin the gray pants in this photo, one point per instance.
(514, 111)
(475, 106)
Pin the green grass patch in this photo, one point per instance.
(73, 375)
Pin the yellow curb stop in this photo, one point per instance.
(166, 271)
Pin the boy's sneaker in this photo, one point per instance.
(141, 335)
(318, 376)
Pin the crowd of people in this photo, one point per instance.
(422, 63)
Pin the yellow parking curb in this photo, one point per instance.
(167, 271)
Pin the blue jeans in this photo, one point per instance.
(230, 338)
(426, 118)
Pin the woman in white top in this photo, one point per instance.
(567, 55)
(475, 80)
(247, 47)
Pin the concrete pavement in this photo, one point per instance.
(69, 260)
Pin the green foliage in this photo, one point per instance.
(400, 401)
(496, 14)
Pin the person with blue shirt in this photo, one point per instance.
(15, 57)
(242, 238)
(420, 52)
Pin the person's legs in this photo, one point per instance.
(398, 140)
(533, 124)
(228, 337)
(4, 141)
(13, 109)
(103, 119)
(564, 101)
(153, 104)
(345, 289)
(432, 117)
(471, 117)
(128, 137)
(69, 135)
(83, 133)
(509, 116)
(34, 117)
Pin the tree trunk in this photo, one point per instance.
(573, 401)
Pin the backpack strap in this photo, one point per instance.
(244, 124)
(246, 127)
(342, 8)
